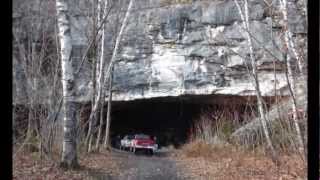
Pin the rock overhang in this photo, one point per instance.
(190, 49)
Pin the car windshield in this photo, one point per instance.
(128, 137)
(142, 136)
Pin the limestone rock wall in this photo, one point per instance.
(172, 49)
(198, 48)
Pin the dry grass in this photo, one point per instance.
(199, 148)
(203, 161)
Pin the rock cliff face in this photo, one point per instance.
(196, 48)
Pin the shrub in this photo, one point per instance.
(215, 125)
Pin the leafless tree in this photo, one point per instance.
(98, 70)
(101, 74)
(94, 66)
(109, 72)
(69, 151)
(34, 51)
(290, 46)
(246, 24)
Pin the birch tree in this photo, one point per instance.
(101, 72)
(290, 76)
(110, 71)
(288, 36)
(246, 24)
(69, 150)
(94, 64)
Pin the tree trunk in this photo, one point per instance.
(106, 139)
(101, 123)
(291, 84)
(245, 20)
(101, 74)
(31, 132)
(92, 119)
(109, 71)
(291, 80)
(115, 50)
(69, 146)
(288, 36)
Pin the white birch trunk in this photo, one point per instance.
(106, 139)
(109, 71)
(33, 82)
(69, 152)
(116, 47)
(99, 34)
(245, 21)
(306, 10)
(288, 35)
(100, 98)
(99, 24)
(93, 80)
(292, 83)
(101, 123)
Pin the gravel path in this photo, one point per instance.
(143, 167)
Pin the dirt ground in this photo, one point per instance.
(232, 163)
(175, 165)
(114, 165)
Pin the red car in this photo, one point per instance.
(143, 142)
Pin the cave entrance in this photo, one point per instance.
(169, 119)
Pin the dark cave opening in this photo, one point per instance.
(170, 119)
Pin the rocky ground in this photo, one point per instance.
(176, 165)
